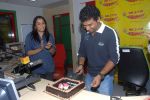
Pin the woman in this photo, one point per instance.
(40, 44)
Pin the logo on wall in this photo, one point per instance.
(137, 14)
(129, 17)
(110, 17)
(134, 1)
(108, 3)
(133, 31)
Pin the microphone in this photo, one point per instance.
(22, 68)
(35, 63)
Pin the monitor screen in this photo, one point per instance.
(8, 90)
(16, 47)
(133, 65)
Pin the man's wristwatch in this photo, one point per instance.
(101, 75)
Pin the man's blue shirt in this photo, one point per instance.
(99, 49)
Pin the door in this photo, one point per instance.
(62, 33)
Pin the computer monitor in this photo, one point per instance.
(133, 66)
(16, 47)
(8, 90)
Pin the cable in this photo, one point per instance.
(29, 86)
(115, 98)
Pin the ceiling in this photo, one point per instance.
(37, 3)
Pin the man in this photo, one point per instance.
(148, 47)
(100, 47)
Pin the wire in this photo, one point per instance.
(29, 86)
(115, 98)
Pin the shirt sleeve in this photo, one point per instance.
(81, 51)
(114, 48)
(52, 40)
(28, 43)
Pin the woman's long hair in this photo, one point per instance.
(34, 30)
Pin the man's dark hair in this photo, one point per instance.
(89, 12)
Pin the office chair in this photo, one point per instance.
(59, 61)
(133, 70)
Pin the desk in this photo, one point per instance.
(27, 94)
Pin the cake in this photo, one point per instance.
(65, 87)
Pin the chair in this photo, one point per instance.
(133, 70)
(59, 61)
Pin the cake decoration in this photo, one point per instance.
(65, 88)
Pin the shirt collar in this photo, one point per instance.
(101, 28)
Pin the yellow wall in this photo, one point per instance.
(130, 18)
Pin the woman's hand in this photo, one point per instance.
(48, 45)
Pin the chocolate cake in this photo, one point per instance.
(65, 87)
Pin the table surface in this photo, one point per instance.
(39, 94)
